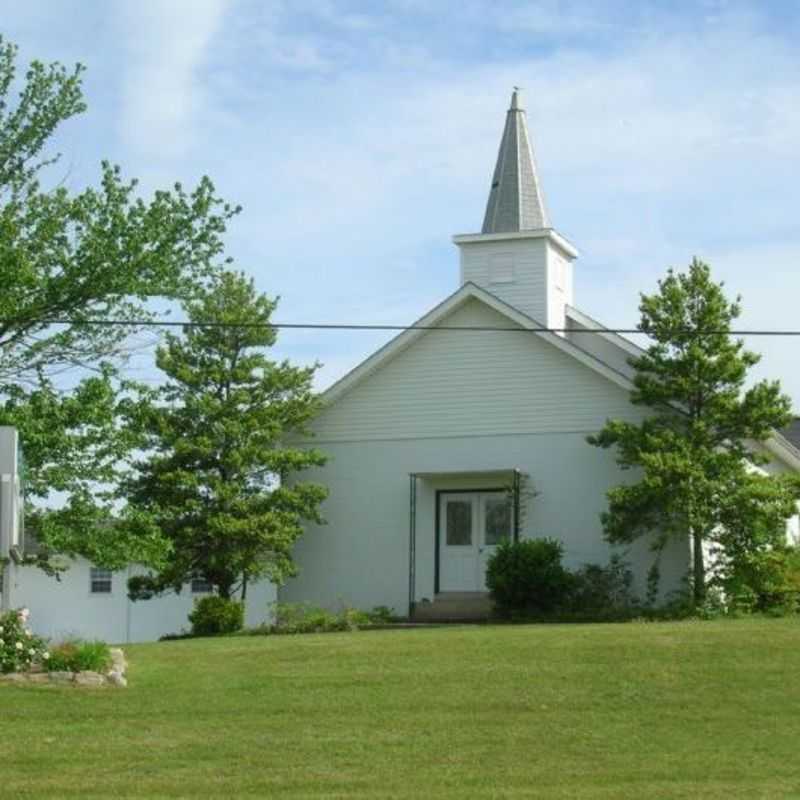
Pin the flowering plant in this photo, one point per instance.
(19, 648)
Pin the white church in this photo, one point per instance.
(441, 445)
(444, 442)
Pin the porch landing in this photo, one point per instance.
(454, 607)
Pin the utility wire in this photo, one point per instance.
(343, 326)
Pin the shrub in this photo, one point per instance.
(604, 591)
(76, 655)
(307, 618)
(19, 648)
(214, 615)
(767, 582)
(382, 615)
(62, 657)
(527, 578)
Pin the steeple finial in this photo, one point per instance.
(515, 202)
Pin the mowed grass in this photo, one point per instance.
(663, 710)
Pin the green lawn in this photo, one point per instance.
(614, 711)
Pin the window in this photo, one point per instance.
(201, 585)
(459, 522)
(498, 520)
(501, 268)
(100, 581)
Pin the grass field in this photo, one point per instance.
(663, 710)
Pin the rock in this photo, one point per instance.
(61, 677)
(38, 677)
(117, 678)
(119, 664)
(14, 677)
(89, 678)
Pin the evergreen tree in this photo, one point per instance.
(696, 448)
(220, 477)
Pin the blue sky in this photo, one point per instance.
(359, 137)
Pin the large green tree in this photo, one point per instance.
(69, 260)
(696, 450)
(221, 478)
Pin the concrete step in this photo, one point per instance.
(454, 607)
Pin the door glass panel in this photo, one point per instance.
(498, 520)
(459, 522)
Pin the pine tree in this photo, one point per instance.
(695, 449)
(220, 477)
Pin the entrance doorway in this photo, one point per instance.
(471, 525)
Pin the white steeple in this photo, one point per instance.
(518, 256)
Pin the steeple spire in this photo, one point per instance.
(515, 202)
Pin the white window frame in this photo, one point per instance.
(200, 585)
(99, 576)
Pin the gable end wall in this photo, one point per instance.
(454, 383)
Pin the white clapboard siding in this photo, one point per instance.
(528, 257)
(454, 383)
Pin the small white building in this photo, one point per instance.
(85, 600)
(438, 441)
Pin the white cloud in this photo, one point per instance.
(167, 41)
(650, 154)
(359, 142)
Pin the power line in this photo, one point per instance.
(352, 326)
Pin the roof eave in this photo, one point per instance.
(539, 233)
(781, 447)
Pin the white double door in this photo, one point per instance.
(471, 525)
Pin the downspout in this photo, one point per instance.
(128, 609)
(412, 543)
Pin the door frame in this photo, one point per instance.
(437, 537)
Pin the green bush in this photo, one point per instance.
(214, 615)
(19, 648)
(526, 578)
(767, 582)
(604, 591)
(308, 618)
(382, 615)
(76, 655)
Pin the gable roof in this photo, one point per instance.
(583, 319)
(785, 444)
(792, 432)
(518, 323)
(780, 444)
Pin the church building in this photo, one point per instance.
(467, 429)
(446, 441)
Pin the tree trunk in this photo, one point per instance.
(699, 569)
(244, 586)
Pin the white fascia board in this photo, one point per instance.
(615, 338)
(541, 233)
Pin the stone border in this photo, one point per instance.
(116, 676)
